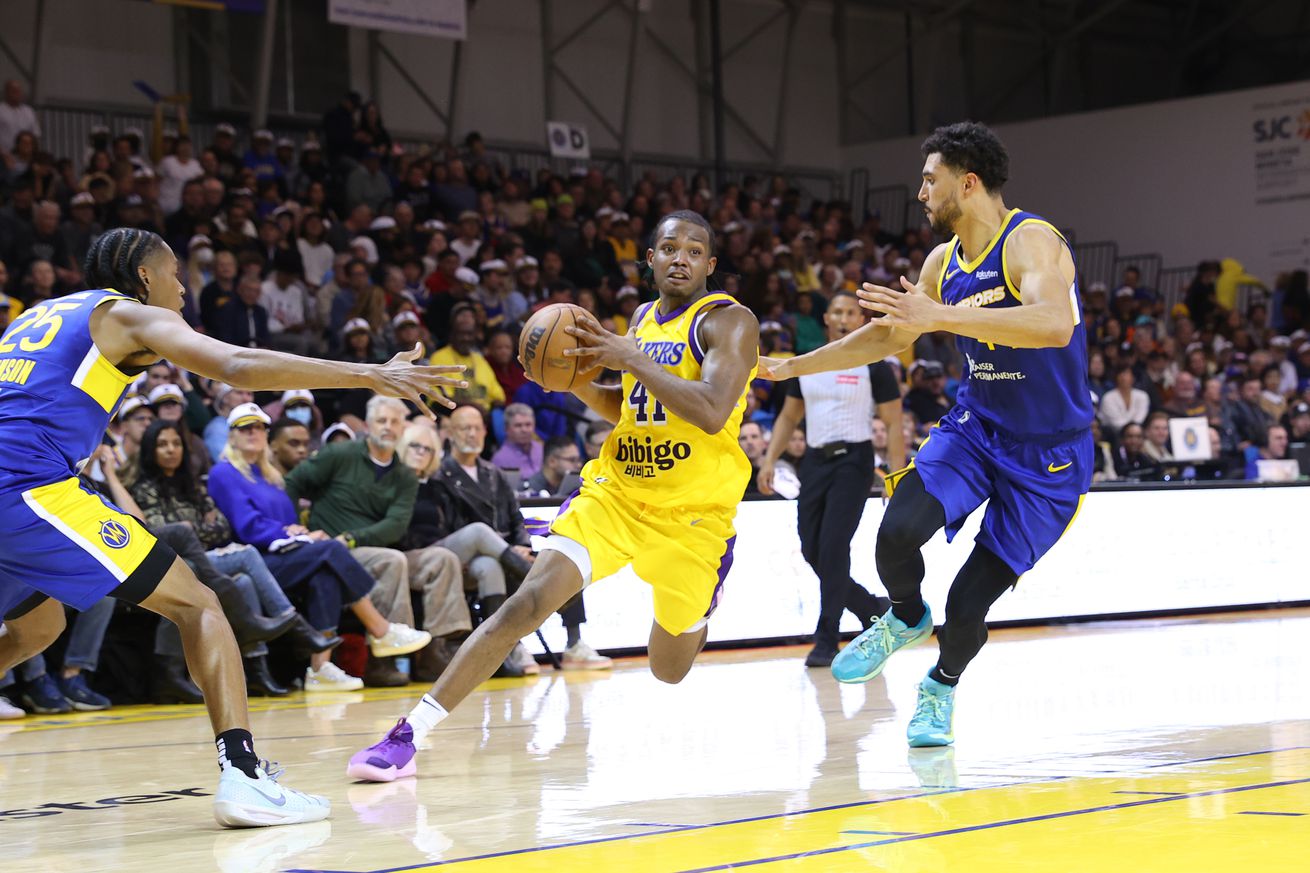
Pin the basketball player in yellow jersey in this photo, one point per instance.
(661, 496)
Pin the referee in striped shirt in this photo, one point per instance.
(837, 472)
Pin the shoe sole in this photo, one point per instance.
(392, 651)
(231, 814)
(90, 707)
(856, 680)
(568, 666)
(319, 689)
(368, 773)
(925, 743)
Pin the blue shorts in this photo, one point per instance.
(65, 541)
(1034, 486)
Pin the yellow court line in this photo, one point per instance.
(139, 714)
(1191, 814)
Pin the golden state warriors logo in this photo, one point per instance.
(114, 535)
(1191, 438)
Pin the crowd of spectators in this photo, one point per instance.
(348, 246)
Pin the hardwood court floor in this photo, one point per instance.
(1143, 746)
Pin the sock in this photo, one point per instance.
(909, 611)
(425, 716)
(937, 675)
(236, 748)
(575, 635)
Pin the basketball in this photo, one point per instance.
(543, 342)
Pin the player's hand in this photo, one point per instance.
(597, 347)
(765, 478)
(773, 369)
(107, 459)
(525, 553)
(401, 377)
(910, 308)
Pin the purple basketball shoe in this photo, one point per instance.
(387, 761)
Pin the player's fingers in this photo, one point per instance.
(581, 351)
(908, 285)
(870, 288)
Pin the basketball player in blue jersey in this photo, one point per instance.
(1019, 436)
(65, 365)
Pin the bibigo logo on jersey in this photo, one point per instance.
(643, 457)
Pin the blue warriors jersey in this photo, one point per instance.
(57, 392)
(1024, 392)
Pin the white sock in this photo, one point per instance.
(425, 716)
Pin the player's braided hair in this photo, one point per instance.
(115, 257)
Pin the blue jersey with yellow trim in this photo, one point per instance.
(57, 392)
(1026, 392)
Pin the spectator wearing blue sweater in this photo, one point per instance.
(247, 488)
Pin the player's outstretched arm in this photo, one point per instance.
(134, 327)
(1042, 270)
(876, 340)
(731, 339)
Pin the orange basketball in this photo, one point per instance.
(542, 344)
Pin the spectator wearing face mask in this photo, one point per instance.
(299, 406)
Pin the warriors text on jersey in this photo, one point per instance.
(653, 456)
(1021, 391)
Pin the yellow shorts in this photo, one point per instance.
(683, 555)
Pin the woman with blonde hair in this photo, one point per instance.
(489, 561)
(248, 488)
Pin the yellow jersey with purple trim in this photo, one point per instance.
(57, 391)
(652, 456)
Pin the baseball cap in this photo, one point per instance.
(312, 145)
(248, 413)
(564, 199)
(494, 265)
(434, 224)
(82, 198)
(526, 262)
(467, 276)
(1096, 287)
(405, 316)
(1124, 291)
(167, 393)
(605, 212)
(1299, 409)
(285, 143)
(336, 429)
(469, 215)
(1303, 348)
(226, 128)
(627, 291)
(539, 203)
(199, 241)
(263, 133)
(355, 324)
(297, 396)
(1281, 342)
(383, 222)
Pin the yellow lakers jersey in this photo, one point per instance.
(654, 457)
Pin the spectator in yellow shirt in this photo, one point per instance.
(483, 390)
